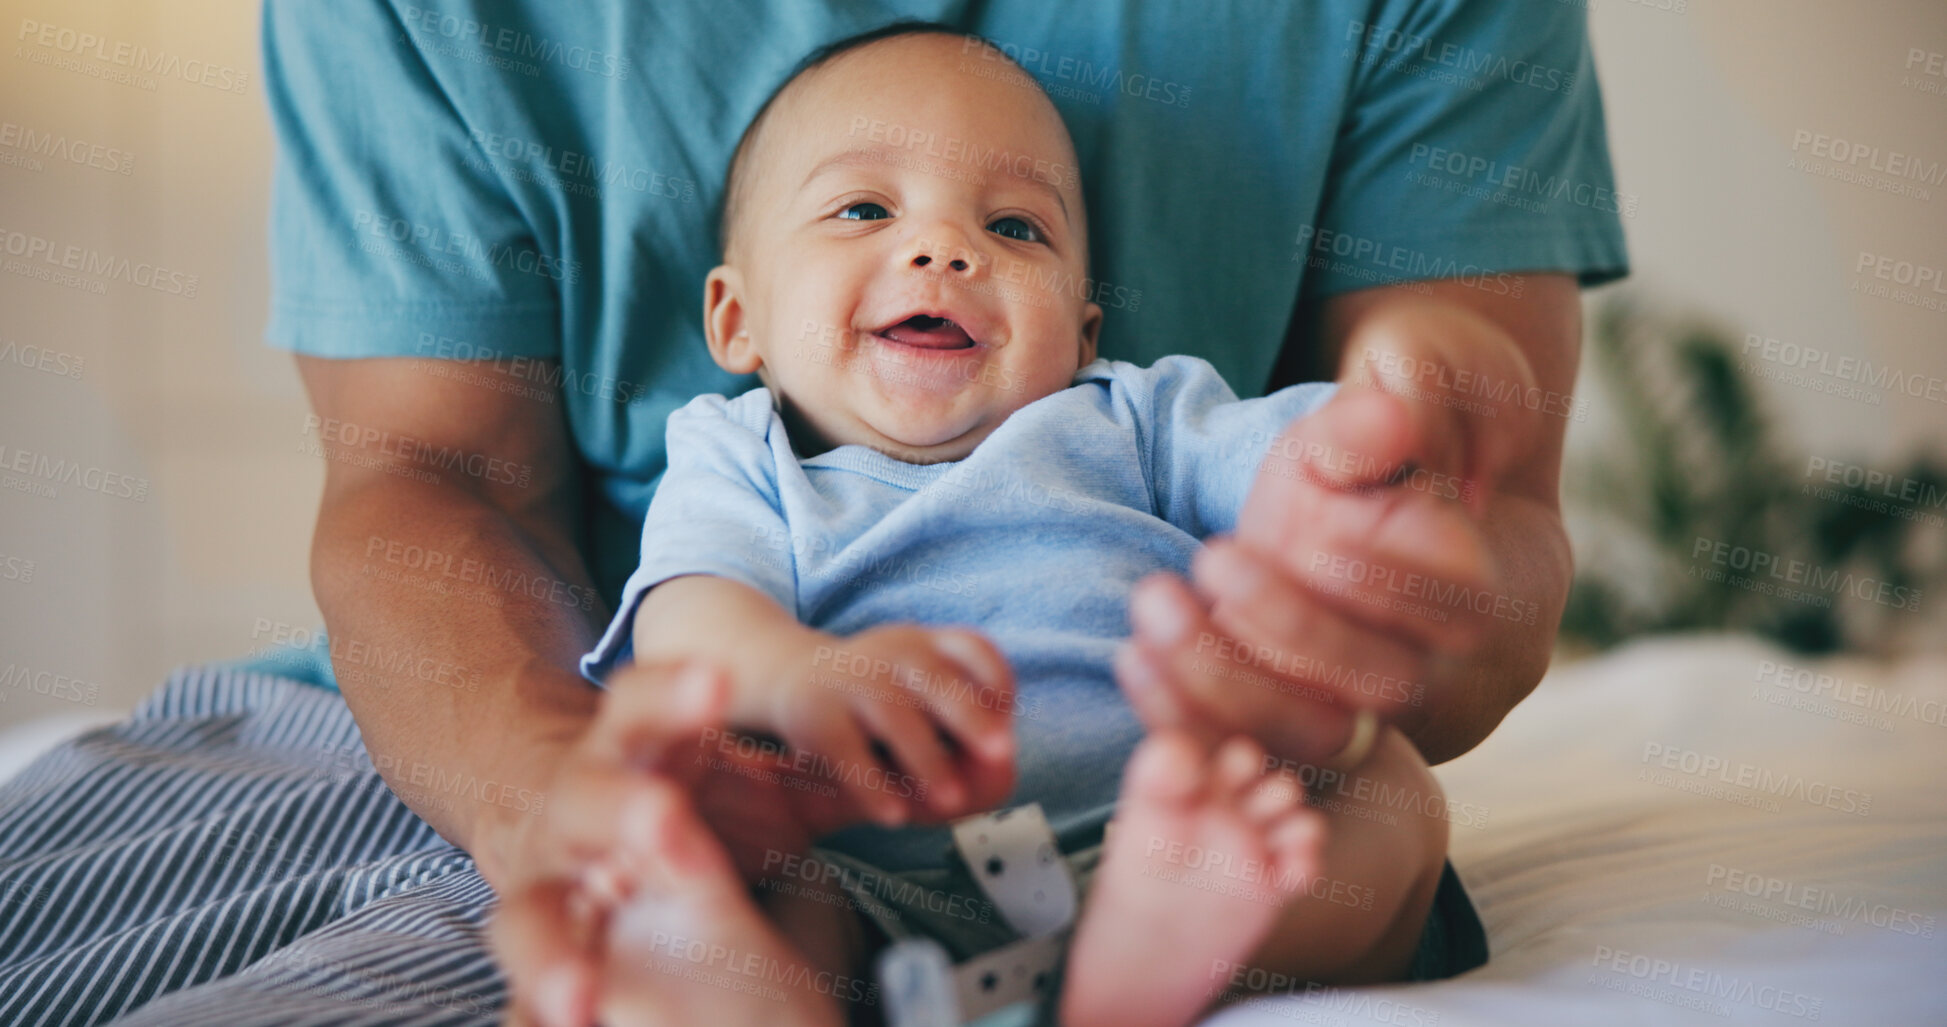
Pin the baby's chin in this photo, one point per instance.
(930, 439)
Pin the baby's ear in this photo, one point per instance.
(725, 326)
(1091, 327)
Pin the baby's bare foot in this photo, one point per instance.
(691, 947)
(1204, 853)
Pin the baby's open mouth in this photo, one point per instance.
(924, 331)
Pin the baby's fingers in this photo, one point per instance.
(916, 747)
(978, 657)
(833, 752)
(978, 707)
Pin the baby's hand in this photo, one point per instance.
(910, 720)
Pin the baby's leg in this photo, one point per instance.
(1213, 865)
(1360, 917)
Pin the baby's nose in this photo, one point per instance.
(943, 255)
(926, 259)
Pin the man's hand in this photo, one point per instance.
(1401, 550)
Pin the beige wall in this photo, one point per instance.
(179, 390)
(1704, 107)
(173, 389)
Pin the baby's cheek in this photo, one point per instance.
(1044, 378)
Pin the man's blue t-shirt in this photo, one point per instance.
(522, 179)
(1035, 538)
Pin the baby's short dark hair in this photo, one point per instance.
(736, 181)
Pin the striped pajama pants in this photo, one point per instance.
(227, 855)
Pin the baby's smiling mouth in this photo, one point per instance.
(924, 331)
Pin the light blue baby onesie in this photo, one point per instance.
(1035, 538)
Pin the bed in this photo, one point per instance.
(1699, 829)
(1629, 816)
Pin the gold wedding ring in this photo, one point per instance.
(1365, 731)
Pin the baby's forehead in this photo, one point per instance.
(927, 101)
(917, 64)
(918, 93)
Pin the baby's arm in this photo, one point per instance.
(911, 719)
(729, 624)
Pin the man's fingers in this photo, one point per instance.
(1154, 699)
(550, 958)
(1317, 492)
(1440, 604)
(1432, 429)
(1163, 610)
(1220, 687)
(1358, 439)
(1362, 438)
(1207, 676)
(1360, 667)
(1224, 660)
(1426, 536)
(1170, 631)
(1463, 372)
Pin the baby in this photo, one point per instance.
(937, 450)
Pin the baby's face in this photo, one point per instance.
(908, 264)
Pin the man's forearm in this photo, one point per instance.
(454, 640)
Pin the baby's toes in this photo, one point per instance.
(1165, 772)
(1272, 797)
(1237, 765)
(1296, 840)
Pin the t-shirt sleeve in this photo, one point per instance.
(1473, 146)
(388, 232)
(1201, 445)
(717, 511)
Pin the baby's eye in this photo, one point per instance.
(1015, 228)
(864, 211)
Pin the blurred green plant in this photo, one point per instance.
(1695, 459)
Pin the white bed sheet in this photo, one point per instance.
(1596, 884)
